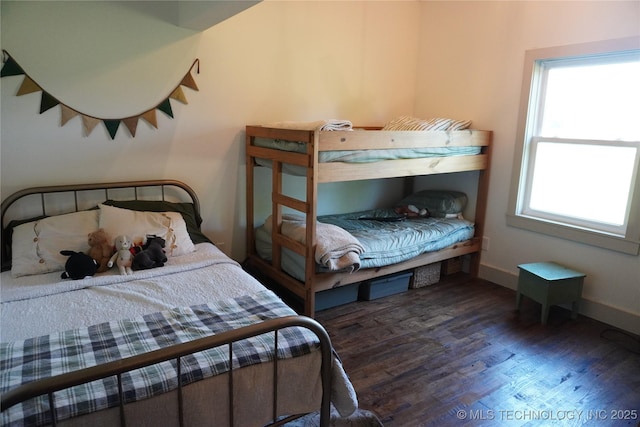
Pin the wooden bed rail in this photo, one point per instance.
(50, 385)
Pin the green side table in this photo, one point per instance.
(549, 283)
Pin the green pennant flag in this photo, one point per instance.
(112, 126)
(11, 68)
(47, 101)
(165, 107)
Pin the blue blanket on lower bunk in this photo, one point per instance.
(384, 242)
(390, 242)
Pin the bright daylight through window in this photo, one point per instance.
(577, 173)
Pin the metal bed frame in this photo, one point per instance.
(116, 368)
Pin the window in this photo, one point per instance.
(576, 172)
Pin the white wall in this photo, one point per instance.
(275, 61)
(368, 61)
(475, 71)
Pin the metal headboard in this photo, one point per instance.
(166, 191)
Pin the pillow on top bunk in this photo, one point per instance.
(439, 203)
(187, 210)
(412, 123)
(36, 245)
(138, 224)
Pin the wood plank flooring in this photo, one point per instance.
(457, 353)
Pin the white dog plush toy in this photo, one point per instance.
(123, 255)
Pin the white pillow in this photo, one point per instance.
(36, 246)
(138, 224)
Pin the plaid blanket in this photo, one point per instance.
(42, 357)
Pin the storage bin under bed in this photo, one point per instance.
(385, 286)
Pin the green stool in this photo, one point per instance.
(549, 284)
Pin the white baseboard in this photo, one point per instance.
(605, 313)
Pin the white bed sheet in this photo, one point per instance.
(26, 301)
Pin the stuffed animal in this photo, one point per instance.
(100, 249)
(151, 256)
(78, 265)
(411, 211)
(123, 256)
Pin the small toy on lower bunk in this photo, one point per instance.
(411, 211)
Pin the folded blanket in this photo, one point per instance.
(336, 124)
(331, 124)
(336, 248)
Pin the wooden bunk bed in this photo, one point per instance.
(316, 172)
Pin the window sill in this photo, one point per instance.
(592, 238)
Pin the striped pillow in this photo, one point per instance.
(412, 123)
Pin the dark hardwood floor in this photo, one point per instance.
(457, 353)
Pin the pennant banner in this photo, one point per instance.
(10, 67)
(178, 95)
(66, 114)
(132, 124)
(88, 124)
(47, 101)
(28, 86)
(150, 117)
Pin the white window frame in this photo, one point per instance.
(624, 239)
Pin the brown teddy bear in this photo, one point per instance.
(100, 249)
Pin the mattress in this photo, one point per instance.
(119, 312)
(359, 156)
(385, 238)
(367, 156)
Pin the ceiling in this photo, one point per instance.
(203, 14)
(197, 15)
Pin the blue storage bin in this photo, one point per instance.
(385, 286)
(336, 296)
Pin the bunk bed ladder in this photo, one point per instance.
(279, 200)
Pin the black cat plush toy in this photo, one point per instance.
(151, 256)
(78, 265)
